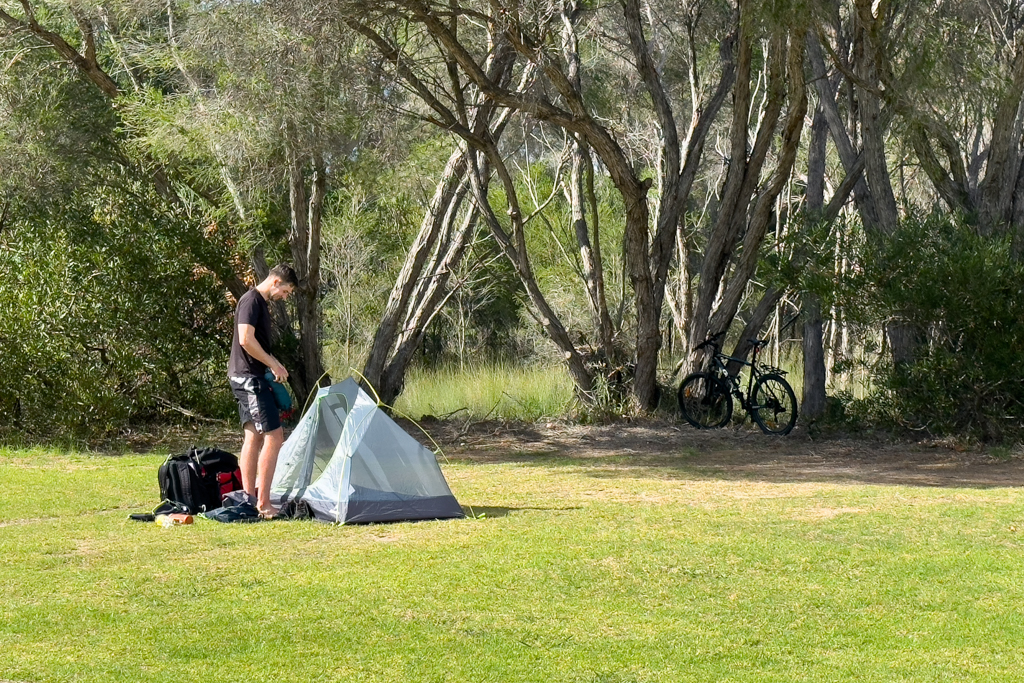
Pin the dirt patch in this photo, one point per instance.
(666, 449)
(23, 522)
(822, 513)
(661, 448)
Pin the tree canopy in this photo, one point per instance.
(600, 186)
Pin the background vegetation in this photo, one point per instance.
(567, 188)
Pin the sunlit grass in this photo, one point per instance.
(498, 391)
(606, 568)
(529, 392)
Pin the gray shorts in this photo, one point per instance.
(256, 403)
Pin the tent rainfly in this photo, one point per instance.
(352, 464)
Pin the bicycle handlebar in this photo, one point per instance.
(711, 341)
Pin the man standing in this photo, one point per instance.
(250, 360)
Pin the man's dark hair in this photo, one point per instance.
(286, 273)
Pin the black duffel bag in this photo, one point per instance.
(199, 479)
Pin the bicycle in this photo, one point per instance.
(705, 398)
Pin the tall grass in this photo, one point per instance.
(497, 391)
(507, 391)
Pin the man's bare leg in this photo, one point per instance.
(272, 442)
(251, 447)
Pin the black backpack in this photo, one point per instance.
(199, 479)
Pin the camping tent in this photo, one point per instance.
(351, 463)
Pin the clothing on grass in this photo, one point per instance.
(239, 506)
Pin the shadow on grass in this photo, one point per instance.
(485, 512)
(668, 452)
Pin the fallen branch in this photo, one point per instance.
(186, 412)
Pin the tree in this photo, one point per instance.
(528, 34)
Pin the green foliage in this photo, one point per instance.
(106, 319)
(485, 312)
(961, 296)
(104, 323)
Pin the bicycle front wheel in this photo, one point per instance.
(774, 405)
(705, 401)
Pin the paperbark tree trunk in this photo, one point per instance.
(581, 193)
(1004, 156)
(813, 399)
(757, 225)
(723, 233)
(735, 220)
(581, 172)
(765, 307)
(677, 180)
(306, 213)
(852, 161)
(867, 52)
(421, 289)
(432, 294)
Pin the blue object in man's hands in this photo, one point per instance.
(281, 395)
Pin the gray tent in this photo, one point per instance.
(351, 463)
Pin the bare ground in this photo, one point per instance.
(737, 452)
(733, 453)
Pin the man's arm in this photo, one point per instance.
(247, 340)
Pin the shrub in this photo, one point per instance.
(960, 295)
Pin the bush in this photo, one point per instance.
(960, 296)
(105, 322)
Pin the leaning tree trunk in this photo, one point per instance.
(765, 307)
(723, 232)
(514, 248)
(1004, 158)
(735, 220)
(436, 221)
(852, 161)
(757, 225)
(420, 290)
(431, 296)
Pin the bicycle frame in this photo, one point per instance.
(720, 367)
(706, 395)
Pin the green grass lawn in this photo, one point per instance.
(581, 570)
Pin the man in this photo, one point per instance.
(247, 368)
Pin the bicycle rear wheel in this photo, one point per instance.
(705, 401)
(773, 405)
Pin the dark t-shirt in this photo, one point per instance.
(252, 310)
